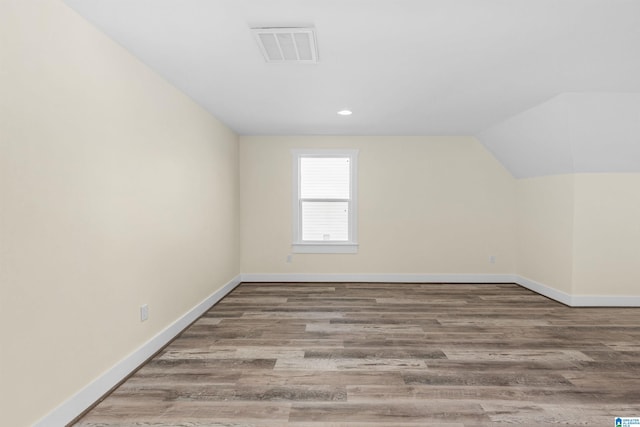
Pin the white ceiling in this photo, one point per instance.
(405, 67)
(571, 133)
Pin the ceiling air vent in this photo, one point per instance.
(287, 44)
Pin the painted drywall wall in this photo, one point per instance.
(544, 230)
(579, 234)
(116, 190)
(607, 234)
(577, 158)
(426, 205)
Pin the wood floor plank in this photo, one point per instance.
(371, 364)
(569, 394)
(387, 354)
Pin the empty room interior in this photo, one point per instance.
(319, 213)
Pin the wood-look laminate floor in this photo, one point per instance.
(356, 355)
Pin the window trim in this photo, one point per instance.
(316, 247)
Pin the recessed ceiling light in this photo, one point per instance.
(345, 112)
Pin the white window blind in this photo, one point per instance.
(324, 178)
(325, 221)
(324, 202)
(324, 198)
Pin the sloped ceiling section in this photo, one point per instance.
(605, 132)
(570, 133)
(535, 142)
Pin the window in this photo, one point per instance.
(325, 201)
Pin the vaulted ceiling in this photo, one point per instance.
(404, 67)
(571, 133)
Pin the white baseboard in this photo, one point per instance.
(391, 278)
(542, 289)
(579, 300)
(545, 290)
(605, 301)
(78, 403)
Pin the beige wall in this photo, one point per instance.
(426, 205)
(544, 230)
(116, 190)
(580, 233)
(607, 234)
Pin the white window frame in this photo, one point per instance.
(349, 246)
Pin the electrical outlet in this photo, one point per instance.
(289, 257)
(492, 259)
(144, 312)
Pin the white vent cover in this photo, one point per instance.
(287, 44)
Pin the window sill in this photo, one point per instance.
(325, 248)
